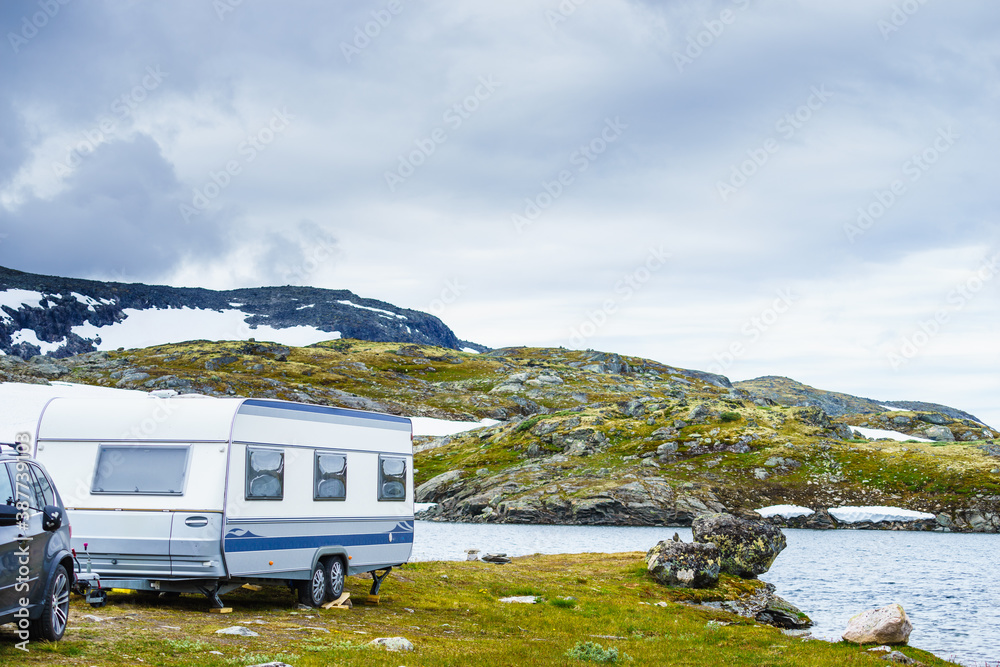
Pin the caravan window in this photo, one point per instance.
(391, 478)
(131, 469)
(330, 482)
(265, 474)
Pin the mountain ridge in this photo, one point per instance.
(790, 392)
(60, 317)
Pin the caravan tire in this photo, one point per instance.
(335, 573)
(312, 592)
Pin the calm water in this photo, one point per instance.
(949, 584)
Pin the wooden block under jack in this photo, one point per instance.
(253, 587)
(221, 610)
(343, 602)
(372, 599)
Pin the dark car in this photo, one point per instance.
(36, 563)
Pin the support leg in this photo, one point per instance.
(378, 579)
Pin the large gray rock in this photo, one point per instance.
(429, 491)
(940, 434)
(747, 547)
(885, 625)
(684, 564)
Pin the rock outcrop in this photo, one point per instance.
(885, 625)
(685, 564)
(747, 547)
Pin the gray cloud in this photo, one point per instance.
(117, 214)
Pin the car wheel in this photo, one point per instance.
(312, 592)
(55, 612)
(335, 573)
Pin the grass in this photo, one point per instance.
(450, 612)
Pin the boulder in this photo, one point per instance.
(392, 643)
(747, 547)
(885, 625)
(940, 434)
(782, 614)
(684, 564)
(429, 491)
(934, 418)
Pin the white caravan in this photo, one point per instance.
(196, 494)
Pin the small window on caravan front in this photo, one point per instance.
(330, 481)
(391, 478)
(265, 474)
(136, 470)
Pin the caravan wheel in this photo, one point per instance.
(313, 591)
(334, 578)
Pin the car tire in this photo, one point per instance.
(51, 625)
(335, 574)
(312, 592)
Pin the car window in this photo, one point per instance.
(26, 487)
(42, 487)
(6, 488)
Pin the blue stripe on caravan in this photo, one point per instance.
(256, 543)
(324, 410)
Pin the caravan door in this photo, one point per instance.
(196, 545)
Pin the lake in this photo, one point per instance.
(948, 583)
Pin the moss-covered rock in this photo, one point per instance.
(747, 547)
(684, 564)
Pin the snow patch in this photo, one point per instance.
(882, 434)
(29, 336)
(15, 299)
(787, 511)
(420, 507)
(470, 350)
(876, 513)
(889, 407)
(374, 310)
(442, 427)
(155, 326)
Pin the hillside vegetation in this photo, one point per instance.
(590, 437)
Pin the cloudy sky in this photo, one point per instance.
(746, 186)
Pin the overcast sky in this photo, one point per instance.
(753, 187)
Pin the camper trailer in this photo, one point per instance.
(197, 494)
